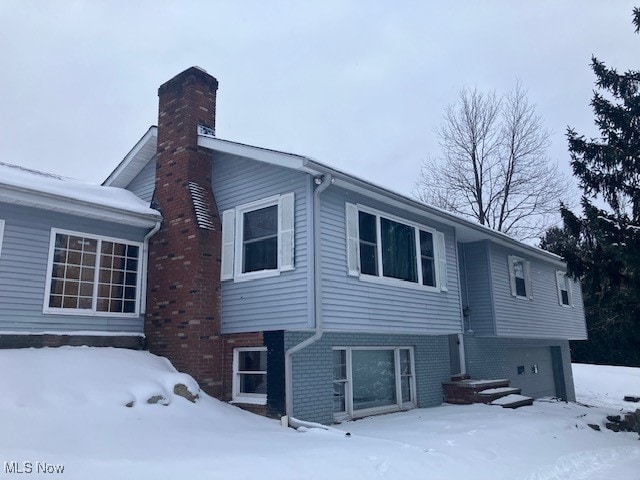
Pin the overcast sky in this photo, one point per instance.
(359, 85)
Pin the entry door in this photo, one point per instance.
(454, 354)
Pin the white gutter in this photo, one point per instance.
(145, 264)
(317, 292)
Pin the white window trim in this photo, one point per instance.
(380, 278)
(526, 267)
(240, 397)
(560, 276)
(1, 235)
(237, 219)
(399, 406)
(46, 309)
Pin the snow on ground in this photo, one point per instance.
(66, 406)
(604, 385)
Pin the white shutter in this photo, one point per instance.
(570, 283)
(442, 261)
(352, 240)
(228, 231)
(1, 234)
(527, 279)
(512, 275)
(286, 233)
(559, 282)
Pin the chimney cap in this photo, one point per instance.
(198, 74)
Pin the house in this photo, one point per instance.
(281, 284)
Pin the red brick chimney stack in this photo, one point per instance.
(183, 297)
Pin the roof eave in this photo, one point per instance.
(134, 161)
(351, 182)
(51, 202)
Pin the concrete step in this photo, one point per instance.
(513, 401)
(491, 394)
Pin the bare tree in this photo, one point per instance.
(494, 168)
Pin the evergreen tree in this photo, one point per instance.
(602, 247)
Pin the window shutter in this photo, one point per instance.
(570, 283)
(287, 237)
(228, 227)
(442, 261)
(559, 280)
(527, 276)
(512, 275)
(352, 240)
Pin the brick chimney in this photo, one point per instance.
(183, 297)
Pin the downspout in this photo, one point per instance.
(145, 260)
(461, 346)
(325, 181)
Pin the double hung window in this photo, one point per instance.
(258, 238)
(565, 295)
(520, 277)
(91, 274)
(250, 375)
(384, 247)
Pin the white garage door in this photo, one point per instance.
(531, 370)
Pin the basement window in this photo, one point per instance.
(92, 275)
(250, 375)
(370, 380)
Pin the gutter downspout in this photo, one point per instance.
(145, 260)
(326, 180)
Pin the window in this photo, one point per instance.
(565, 295)
(372, 380)
(1, 234)
(250, 375)
(258, 239)
(387, 248)
(520, 277)
(92, 275)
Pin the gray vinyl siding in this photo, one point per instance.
(144, 184)
(539, 317)
(313, 368)
(23, 270)
(478, 287)
(354, 305)
(272, 303)
(487, 358)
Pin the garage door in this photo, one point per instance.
(531, 370)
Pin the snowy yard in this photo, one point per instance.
(66, 407)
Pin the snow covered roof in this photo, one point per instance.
(22, 186)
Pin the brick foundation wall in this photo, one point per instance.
(232, 341)
(183, 295)
(49, 340)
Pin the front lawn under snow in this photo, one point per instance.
(65, 407)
